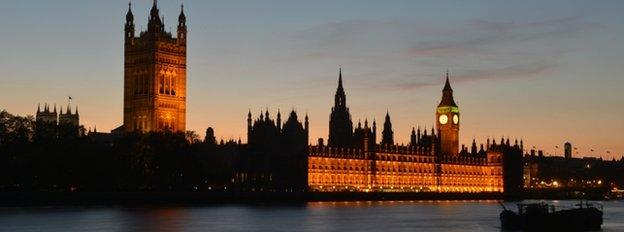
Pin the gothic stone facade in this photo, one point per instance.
(354, 161)
(402, 169)
(155, 76)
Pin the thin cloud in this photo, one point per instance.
(520, 71)
(490, 33)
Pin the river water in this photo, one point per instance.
(318, 216)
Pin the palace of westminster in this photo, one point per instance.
(278, 155)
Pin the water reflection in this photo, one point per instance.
(316, 216)
(152, 218)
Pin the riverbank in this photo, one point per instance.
(150, 198)
(18, 199)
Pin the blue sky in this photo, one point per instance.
(545, 71)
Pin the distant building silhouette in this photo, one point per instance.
(567, 148)
(154, 75)
(52, 117)
(52, 124)
(275, 158)
(210, 137)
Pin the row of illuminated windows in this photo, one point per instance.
(382, 169)
(349, 168)
(467, 182)
(338, 179)
(405, 158)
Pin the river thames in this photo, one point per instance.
(317, 216)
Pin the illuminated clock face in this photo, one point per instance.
(456, 119)
(443, 119)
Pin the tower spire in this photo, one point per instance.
(447, 94)
(307, 123)
(340, 77)
(387, 133)
(129, 15)
(447, 85)
(182, 17)
(155, 23)
(340, 98)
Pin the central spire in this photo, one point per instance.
(340, 98)
(340, 78)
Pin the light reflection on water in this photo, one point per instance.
(317, 216)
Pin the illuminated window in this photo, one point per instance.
(162, 85)
(167, 85)
(173, 92)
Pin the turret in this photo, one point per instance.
(374, 131)
(129, 27)
(413, 137)
(155, 24)
(474, 147)
(307, 123)
(418, 136)
(388, 134)
(182, 26)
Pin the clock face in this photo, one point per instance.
(456, 119)
(443, 119)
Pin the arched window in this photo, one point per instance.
(173, 84)
(167, 84)
(162, 85)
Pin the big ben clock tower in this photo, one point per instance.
(447, 121)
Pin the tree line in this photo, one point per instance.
(38, 157)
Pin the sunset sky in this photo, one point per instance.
(544, 71)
